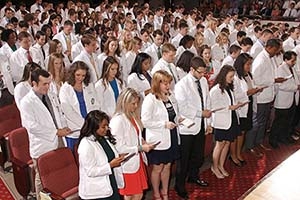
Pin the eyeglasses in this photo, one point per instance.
(200, 72)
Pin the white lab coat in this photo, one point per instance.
(39, 124)
(288, 44)
(106, 96)
(61, 37)
(127, 141)
(152, 51)
(263, 71)
(20, 91)
(37, 55)
(221, 119)
(154, 117)
(17, 62)
(240, 95)
(189, 102)
(94, 170)
(287, 90)
(71, 108)
(139, 85)
(126, 62)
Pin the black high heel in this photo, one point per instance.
(243, 162)
(239, 164)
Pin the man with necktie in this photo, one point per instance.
(42, 117)
(36, 51)
(193, 99)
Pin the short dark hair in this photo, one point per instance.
(274, 42)
(6, 33)
(39, 34)
(288, 55)
(197, 62)
(247, 41)
(35, 75)
(234, 48)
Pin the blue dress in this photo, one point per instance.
(114, 85)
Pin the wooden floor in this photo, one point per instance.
(282, 183)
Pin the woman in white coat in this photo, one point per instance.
(244, 91)
(224, 118)
(109, 86)
(100, 174)
(139, 77)
(160, 118)
(127, 128)
(24, 86)
(78, 97)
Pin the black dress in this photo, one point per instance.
(169, 155)
(231, 133)
(110, 156)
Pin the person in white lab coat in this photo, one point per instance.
(286, 100)
(43, 119)
(224, 118)
(24, 86)
(193, 99)
(154, 50)
(109, 87)
(160, 117)
(99, 161)
(88, 56)
(131, 142)
(58, 72)
(56, 47)
(37, 50)
(139, 77)
(78, 97)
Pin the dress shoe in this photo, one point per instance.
(264, 147)
(274, 145)
(256, 153)
(238, 164)
(198, 182)
(218, 174)
(181, 193)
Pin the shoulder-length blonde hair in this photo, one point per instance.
(51, 69)
(126, 97)
(161, 76)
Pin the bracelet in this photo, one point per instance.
(140, 148)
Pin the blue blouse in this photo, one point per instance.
(82, 105)
(114, 85)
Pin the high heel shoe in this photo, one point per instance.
(218, 175)
(243, 162)
(238, 164)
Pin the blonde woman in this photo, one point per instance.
(57, 70)
(160, 118)
(55, 46)
(127, 128)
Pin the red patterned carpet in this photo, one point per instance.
(4, 192)
(241, 179)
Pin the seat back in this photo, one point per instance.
(23, 170)
(59, 172)
(9, 120)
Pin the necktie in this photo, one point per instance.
(158, 53)
(200, 93)
(29, 56)
(45, 102)
(1, 84)
(94, 65)
(172, 73)
(44, 56)
(295, 43)
(69, 47)
(32, 31)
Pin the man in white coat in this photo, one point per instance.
(260, 43)
(154, 50)
(42, 117)
(37, 50)
(89, 57)
(292, 41)
(263, 70)
(287, 97)
(192, 95)
(166, 63)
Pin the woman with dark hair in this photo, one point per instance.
(186, 43)
(79, 30)
(54, 22)
(224, 118)
(244, 81)
(184, 63)
(78, 97)
(8, 36)
(24, 86)
(139, 78)
(99, 161)
(109, 86)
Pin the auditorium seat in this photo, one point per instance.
(59, 174)
(9, 120)
(23, 170)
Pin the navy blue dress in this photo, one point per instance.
(169, 155)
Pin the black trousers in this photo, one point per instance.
(282, 124)
(191, 157)
(6, 98)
